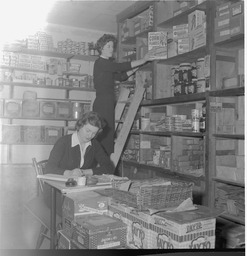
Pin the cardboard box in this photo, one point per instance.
(180, 31)
(157, 44)
(237, 8)
(187, 230)
(63, 110)
(63, 241)
(222, 22)
(30, 108)
(197, 38)
(230, 173)
(137, 225)
(237, 25)
(99, 232)
(172, 48)
(48, 109)
(12, 108)
(221, 35)
(33, 134)
(223, 9)
(137, 26)
(183, 45)
(195, 19)
(226, 160)
(52, 134)
(76, 205)
(10, 133)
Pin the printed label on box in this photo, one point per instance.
(157, 44)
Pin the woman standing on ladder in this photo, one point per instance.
(105, 73)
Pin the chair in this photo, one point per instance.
(37, 207)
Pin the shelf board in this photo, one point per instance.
(38, 118)
(230, 182)
(68, 88)
(23, 69)
(164, 171)
(168, 133)
(233, 218)
(73, 74)
(52, 54)
(239, 91)
(27, 143)
(230, 136)
(190, 56)
(175, 100)
(182, 17)
(233, 42)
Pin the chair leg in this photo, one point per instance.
(42, 234)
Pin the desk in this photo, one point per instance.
(60, 186)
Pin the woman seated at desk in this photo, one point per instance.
(79, 153)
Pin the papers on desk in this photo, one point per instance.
(58, 181)
(50, 176)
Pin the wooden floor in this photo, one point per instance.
(19, 229)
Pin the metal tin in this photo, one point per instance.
(195, 125)
(77, 110)
(200, 68)
(201, 85)
(185, 72)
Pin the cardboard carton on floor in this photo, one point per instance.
(137, 225)
(77, 204)
(188, 230)
(99, 232)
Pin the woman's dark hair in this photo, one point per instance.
(92, 118)
(104, 40)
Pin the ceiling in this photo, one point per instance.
(92, 15)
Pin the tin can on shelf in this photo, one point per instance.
(195, 116)
(200, 68)
(179, 89)
(185, 72)
(192, 86)
(201, 85)
(176, 74)
(193, 71)
(77, 110)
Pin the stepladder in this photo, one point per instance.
(128, 121)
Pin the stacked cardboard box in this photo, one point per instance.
(86, 224)
(188, 230)
(229, 21)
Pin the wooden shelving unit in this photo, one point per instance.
(66, 95)
(224, 51)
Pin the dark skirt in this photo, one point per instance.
(105, 107)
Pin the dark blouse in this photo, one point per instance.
(106, 72)
(64, 157)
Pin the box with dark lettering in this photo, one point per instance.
(99, 232)
(194, 229)
(138, 233)
(77, 204)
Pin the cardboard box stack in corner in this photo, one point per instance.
(86, 225)
(92, 221)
